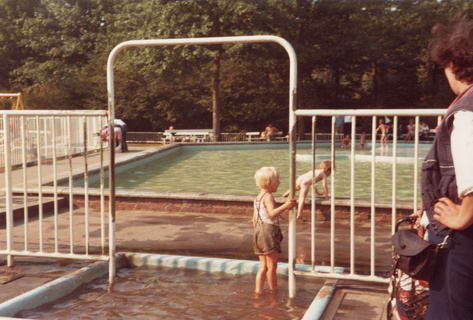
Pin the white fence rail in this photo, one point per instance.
(31, 135)
(40, 147)
(374, 154)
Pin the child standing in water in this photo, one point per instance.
(268, 236)
(304, 182)
(384, 128)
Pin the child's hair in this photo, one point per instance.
(265, 176)
(326, 165)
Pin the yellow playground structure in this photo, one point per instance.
(7, 101)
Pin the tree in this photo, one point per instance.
(351, 54)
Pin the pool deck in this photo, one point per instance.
(205, 235)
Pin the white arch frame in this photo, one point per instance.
(292, 126)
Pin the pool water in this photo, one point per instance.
(231, 171)
(174, 293)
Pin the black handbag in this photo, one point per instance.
(414, 261)
(413, 255)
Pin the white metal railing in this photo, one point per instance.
(40, 147)
(31, 132)
(374, 116)
(158, 137)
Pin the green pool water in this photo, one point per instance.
(222, 169)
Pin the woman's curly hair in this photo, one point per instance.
(453, 44)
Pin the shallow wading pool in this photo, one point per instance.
(186, 288)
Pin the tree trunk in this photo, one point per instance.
(216, 97)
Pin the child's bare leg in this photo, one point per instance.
(304, 191)
(272, 263)
(261, 275)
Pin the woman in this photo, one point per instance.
(447, 177)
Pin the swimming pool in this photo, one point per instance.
(229, 169)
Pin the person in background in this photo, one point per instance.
(117, 131)
(339, 122)
(268, 235)
(124, 130)
(346, 142)
(171, 135)
(424, 130)
(363, 141)
(447, 193)
(270, 132)
(411, 131)
(384, 128)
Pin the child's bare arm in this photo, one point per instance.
(274, 211)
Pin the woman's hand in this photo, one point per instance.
(453, 215)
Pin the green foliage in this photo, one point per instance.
(351, 54)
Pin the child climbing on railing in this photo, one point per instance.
(304, 182)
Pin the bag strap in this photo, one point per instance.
(258, 207)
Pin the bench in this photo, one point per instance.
(253, 136)
(188, 135)
(256, 136)
(279, 136)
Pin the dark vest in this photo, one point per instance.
(438, 171)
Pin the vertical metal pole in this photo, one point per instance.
(71, 182)
(292, 170)
(25, 183)
(102, 199)
(312, 203)
(332, 201)
(373, 194)
(111, 168)
(394, 179)
(86, 186)
(45, 137)
(352, 196)
(8, 188)
(56, 204)
(40, 181)
(416, 163)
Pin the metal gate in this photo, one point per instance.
(38, 149)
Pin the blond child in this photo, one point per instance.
(268, 236)
(304, 182)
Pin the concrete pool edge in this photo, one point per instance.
(214, 203)
(53, 290)
(230, 266)
(64, 285)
